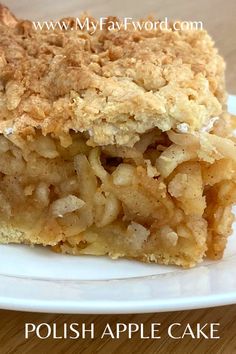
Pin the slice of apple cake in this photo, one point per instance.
(116, 142)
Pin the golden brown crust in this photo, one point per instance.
(113, 85)
(6, 17)
(12, 234)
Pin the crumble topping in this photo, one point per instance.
(113, 86)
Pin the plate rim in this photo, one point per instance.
(116, 307)
(126, 306)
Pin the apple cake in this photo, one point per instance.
(115, 142)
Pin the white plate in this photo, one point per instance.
(36, 279)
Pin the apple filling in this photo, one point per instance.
(167, 199)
